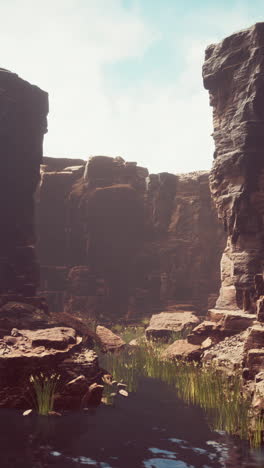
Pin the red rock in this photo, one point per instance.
(56, 337)
(163, 325)
(255, 338)
(203, 331)
(23, 109)
(181, 349)
(237, 177)
(232, 322)
(109, 341)
(160, 251)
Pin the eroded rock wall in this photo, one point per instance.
(114, 240)
(23, 122)
(233, 73)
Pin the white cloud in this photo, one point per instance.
(64, 45)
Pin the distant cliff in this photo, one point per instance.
(114, 240)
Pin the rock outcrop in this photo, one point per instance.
(23, 122)
(54, 350)
(166, 324)
(233, 73)
(232, 336)
(123, 242)
(30, 342)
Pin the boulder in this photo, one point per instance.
(203, 331)
(255, 338)
(164, 325)
(181, 349)
(109, 341)
(230, 321)
(55, 338)
(56, 350)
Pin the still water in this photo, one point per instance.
(150, 428)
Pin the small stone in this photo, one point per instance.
(207, 343)
(15, 332)
(123, 393)
(27, 412)
(121, 385)
(54, 413)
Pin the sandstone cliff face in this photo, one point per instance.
(114, 240)
(233, 73)
(23, 122)
(30, 341)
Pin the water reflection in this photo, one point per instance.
(150, 428)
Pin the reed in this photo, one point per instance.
(218, 394)
(44, 391)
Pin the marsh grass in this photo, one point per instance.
(256, 434)
(128, 332)
(219, 395)
(44, 391)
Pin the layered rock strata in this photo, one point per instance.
(233, 334)
(30, 341)
(23, 123)
(233, 73)
(116, 241)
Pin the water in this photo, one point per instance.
(151, 428)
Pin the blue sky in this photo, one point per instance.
(124, 76)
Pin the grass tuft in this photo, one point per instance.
(220, 395)
(44, 391)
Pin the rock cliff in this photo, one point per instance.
(30, 342)
(23, 122)
(114, 240)
(233, 73)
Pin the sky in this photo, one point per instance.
(123, 76)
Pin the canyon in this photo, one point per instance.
(123, 242)
(117, 243)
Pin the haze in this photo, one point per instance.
(123, 76)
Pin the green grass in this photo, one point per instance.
(219, 395)
(44, 387)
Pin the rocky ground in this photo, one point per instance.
(233, 341)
